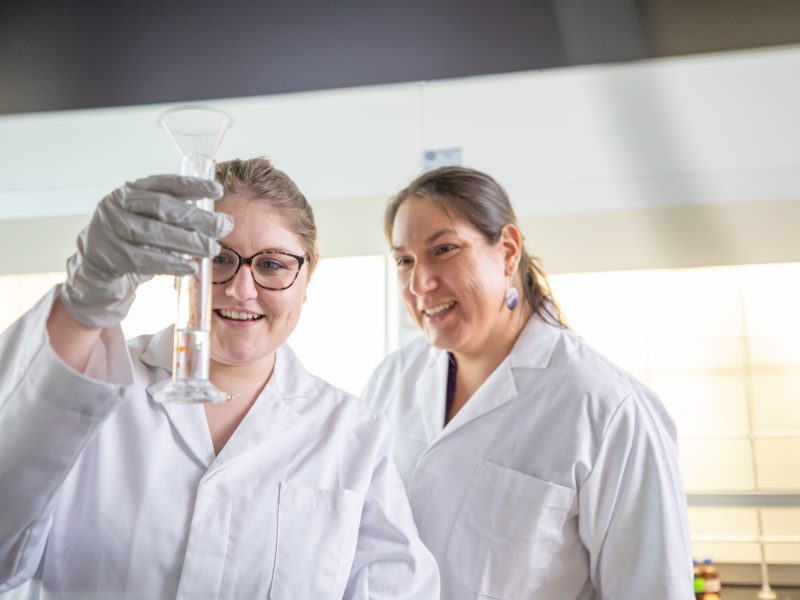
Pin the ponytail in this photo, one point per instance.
(536, 290)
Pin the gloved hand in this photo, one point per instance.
(139, 230)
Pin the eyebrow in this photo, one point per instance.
(273, 249)
(430, 239)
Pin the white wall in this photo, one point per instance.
(711, 129)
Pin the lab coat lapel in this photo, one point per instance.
(268, 418)
(187, 420)
(532, 350)
(498, 389)
(430, 394)
(272, 414)
(535, 344)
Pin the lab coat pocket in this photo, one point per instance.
(316, 542)
(505, 531)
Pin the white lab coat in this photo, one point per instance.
(106, 494)
(557, 480)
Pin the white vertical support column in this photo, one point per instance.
(766, 592)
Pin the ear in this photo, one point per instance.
(511, 244)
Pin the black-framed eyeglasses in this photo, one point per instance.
(271, 269)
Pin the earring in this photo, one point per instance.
(512, 297)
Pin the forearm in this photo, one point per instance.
(71, 340)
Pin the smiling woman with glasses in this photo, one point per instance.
(287, 490)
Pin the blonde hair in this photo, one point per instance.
(483, 203)
(259, 179)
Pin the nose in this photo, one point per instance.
(242, 286)
(422, 280)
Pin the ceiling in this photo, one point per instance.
(61, 55)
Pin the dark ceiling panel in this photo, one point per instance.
(680, 27)
(61, 55)
(57, 55)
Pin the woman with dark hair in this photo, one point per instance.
(285, 491)
(535, 467)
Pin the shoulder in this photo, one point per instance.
(340, 417)
(343, 400)
(154, 350)
(137, 345)
(318, 399)
(591, 370)
(616, 394)
(399, 368)
(409, 358)
(553, 351)
(585, 386)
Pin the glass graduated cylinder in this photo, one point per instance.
(196, 132)
(191, 353)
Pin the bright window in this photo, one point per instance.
(721, 347)
(341, 335)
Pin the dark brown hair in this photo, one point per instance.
(260, 180)
(483, 203)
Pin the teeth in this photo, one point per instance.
(435, 310)
(239, 316)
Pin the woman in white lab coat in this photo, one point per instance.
(286, 491)
(535, 468)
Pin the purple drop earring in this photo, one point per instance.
(512, 297)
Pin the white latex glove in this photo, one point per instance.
(139, 230)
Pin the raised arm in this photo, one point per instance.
(65, 364)
(141, 229)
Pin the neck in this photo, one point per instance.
(477, 362)
(243, 378)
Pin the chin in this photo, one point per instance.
(441, 342)
(242, 359)
(237, 356)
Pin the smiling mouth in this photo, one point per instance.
(235, 315)
(439, 309)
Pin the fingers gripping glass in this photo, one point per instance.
(271, 269)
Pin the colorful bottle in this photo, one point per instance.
(699, 580)
(706, 581)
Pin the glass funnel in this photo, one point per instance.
(197, 132)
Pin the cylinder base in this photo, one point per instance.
(191, 391)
